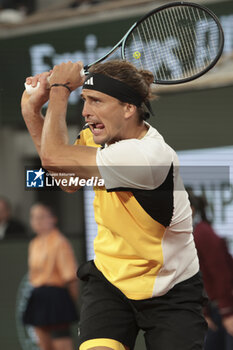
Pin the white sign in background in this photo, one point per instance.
(219, 195)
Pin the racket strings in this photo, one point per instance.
(174, 43)
(177, 55)
(188, 48)
(210, 47)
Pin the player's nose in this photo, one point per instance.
(85, 111)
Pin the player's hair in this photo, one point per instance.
(138, 79)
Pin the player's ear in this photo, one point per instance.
(130, 110)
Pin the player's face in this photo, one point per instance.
(105, 116)
(41, 220)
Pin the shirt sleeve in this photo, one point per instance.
(134, 164)
(66, 261)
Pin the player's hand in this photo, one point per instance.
(33, 102)
(228, 324)
(68, 73)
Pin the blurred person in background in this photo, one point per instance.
(216, 265)
(20, 5)
(15, 11)
(52, 271)
(9, 227)
(83, 3)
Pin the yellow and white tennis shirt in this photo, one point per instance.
(144, 244)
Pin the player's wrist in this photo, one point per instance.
(60, 89)
(62, 85)
(31, 111)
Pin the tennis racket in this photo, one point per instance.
(178, 42)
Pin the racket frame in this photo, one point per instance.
(121, 44)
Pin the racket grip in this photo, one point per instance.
(82, 72)
(30, 90)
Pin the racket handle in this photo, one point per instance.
(30, 90)
(82, 73)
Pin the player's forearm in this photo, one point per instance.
(34, 121)
(31, 105)
(56, 154)
(55, 134)
(55, 137)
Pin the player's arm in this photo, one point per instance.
(56, 153)
(31, 106)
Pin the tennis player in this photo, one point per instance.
(146, 272)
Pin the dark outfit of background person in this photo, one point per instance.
(216, 265)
